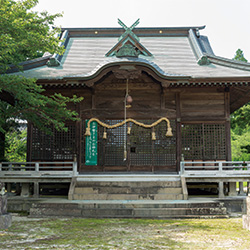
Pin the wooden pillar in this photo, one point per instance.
(228, 126)
(178, 131)
(78, 146)
(231, 185)
(78, 149)
(8, 187)
(29, 142)
(93, 101)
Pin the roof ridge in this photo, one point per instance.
(137, 28)
(228, 62)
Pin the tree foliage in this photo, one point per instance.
(240, 126)
(31, 105)
(23, 35)
(241, 117)
(239, 56)
(16, 146)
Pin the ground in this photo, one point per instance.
(75, 233)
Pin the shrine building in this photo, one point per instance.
(144, 74)
(153, 98)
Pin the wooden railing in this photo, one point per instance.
(38, 169)
(216, 169)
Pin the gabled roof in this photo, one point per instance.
(128, 38)
(174, 52)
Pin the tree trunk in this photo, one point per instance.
(2, 147)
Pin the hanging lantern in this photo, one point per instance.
(129, 99)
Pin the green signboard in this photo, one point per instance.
(91, 145)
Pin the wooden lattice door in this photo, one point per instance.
(142, 153)
(203, 141)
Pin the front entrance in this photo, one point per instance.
(135, 151)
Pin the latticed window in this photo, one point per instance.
(203, 141)
(141, 150)
(59, 145)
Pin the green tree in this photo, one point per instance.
(240, 144)
(239, 56)
(16, 146)
(23, 35)
(240, 126)
(241, 117)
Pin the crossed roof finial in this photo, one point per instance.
(128, 30)
(128, 43)
(131, 27)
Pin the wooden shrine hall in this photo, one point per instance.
(144, 74)
(153, 98)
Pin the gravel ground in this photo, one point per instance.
(46, 233)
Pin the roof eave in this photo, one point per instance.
(136, 63)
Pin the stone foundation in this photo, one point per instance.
(246, 218)
(5, 221)
(5, 218)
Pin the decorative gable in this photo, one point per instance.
(128, 44)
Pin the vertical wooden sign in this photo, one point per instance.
(91, 145)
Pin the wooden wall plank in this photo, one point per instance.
(211, 104)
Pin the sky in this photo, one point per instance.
(227, 21)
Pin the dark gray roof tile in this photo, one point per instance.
(172, 56)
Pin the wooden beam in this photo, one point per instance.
(119, 114)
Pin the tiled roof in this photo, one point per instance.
(185, 54)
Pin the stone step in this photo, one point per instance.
(126, 187)
(141, 196)
(129, 184)
(117, 204)
(125, 209)
(128, 177)
(127, 190)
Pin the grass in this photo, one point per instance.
(26, 233)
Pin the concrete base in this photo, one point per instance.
(5, 221)
(21, 204)
(246, 218)
(129, 209)
(235, 204)
(232, 189)
(25, 190)
(5, 218)
(246, 221)
(3, 204)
